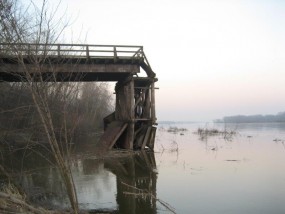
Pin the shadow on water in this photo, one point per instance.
(134, 171)
(43, 186)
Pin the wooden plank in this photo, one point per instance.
(146, 112)
(139, 139)
(111, 135)
(108, 119)
(131, 104)
(146, 137)
(69, 68)
(151, 141)
(122, 129)
(153, 115)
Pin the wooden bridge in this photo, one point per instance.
(133, 124)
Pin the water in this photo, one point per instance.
(242, 174)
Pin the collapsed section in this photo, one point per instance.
(135, 106)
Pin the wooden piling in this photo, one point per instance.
(153, 116)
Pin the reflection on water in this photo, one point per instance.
(101, 183)
(137, 171)
(216, 176)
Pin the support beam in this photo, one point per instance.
(153, 115)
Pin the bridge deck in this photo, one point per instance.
(64, 62)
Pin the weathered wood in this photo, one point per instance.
(139, 136)
(58, 50)
(122, 104)
(125, 109)
(139, 140)
(146, 113)
(151, 141)
(68, 72)
(108, 119)
(153, 115)
(131, 128)
(87, 52)
(111, 134)
(146, 138)
(115, 55)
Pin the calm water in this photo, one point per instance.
(245, 174)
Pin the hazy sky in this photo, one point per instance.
(212, 57)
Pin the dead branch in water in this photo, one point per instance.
(40, 27)
(145, 193)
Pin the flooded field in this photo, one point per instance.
(187, 173)
(245, 174)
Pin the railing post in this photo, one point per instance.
(87, 52)
(58, 50)
(29, 49)
(115, 54)
(141, 52)
(45, 50)
(153, 116)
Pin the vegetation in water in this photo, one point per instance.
(175, 130)
(204, 133)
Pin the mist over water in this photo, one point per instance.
(244, 173)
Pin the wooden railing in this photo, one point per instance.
(73, 51)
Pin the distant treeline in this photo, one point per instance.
(77, 109)
(280, 117)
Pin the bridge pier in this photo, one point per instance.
(125, 111)
(134, 118)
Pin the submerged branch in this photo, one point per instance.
(145, 193)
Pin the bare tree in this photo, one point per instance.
(61, 109)
(18, 27)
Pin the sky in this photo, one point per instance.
(213, 58)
